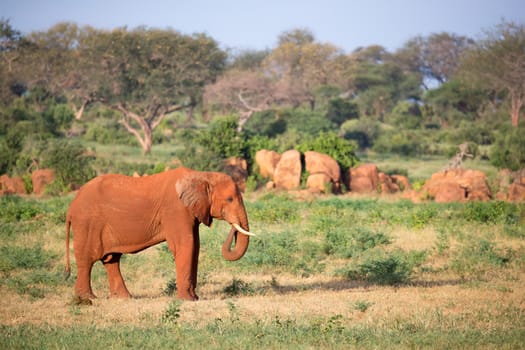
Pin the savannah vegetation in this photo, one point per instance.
(325, 272)
(329, 272)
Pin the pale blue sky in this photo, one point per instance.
(245, 24)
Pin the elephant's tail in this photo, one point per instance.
(67, 272)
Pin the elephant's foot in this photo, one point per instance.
(83, 299)
(187, 295)
(121, 294)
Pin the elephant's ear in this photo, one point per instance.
(194, 192)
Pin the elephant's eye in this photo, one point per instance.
(229, 199)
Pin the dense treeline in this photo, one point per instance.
(149, 86)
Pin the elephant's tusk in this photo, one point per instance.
(243, 231)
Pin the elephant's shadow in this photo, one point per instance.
(342, 285)
(273, 287)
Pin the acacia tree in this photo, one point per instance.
(498, 64)
(302, 66)
(244, 91)
(150, 73)
(378, 81)
(435, 58)
(11, 44)
(291, 74)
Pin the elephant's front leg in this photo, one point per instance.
(117, 287)
(186, 254)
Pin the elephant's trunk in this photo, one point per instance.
(241, 244)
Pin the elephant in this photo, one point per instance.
(115, 214)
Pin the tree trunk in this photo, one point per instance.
(516, 102)
(145, 139)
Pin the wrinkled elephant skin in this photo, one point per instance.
(115, 214)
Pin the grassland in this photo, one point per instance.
(325, 272)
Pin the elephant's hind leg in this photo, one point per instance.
(83, 284)
(117, 287)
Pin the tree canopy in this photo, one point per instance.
(143, 75)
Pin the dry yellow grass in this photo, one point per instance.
(292, 298)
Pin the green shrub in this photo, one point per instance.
(406, 115)
(362, 131)
(306, 121)
(475, 132)
(477, 257)
(36, 283)
(340, 110)
(108, 132)
(108, 166)
(15, 209)
(406, 143)
(207, 149)
(422, 216)
(171, 315)
(274, 209)
(238, 287)
(61, 115)
(508, 150)
(268, 123)
(382, 267)
(275, 251)
(343, 151)
(171, 287)
(71, 163)
(10, 149)
(494, 212)
(350, 243)
(221, 138)
(14, 257)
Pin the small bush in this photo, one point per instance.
(405, 143)
(508, 150)
(381, 267)
(171, 287)
(238, 287)
(171, 315)
(274, 209)
(14, 257)
(340, 110)
(364, 132)
(71, 163)
(493, 212)
(16, 209)
(477, 257)
(362, 305)
(343, 151)
(306, 121)
(350, 244)
(267, 123)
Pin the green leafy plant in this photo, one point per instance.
(343, 151)
(71, 163)
(238, 287)
(383, 267)
(477, 257)
(508, 150)
(171, 315)
(362, 305)
(171, 287)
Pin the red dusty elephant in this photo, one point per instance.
(115, 214)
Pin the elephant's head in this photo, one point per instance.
(210, 195)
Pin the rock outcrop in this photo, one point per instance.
(287, 173)
(11, 185)
(40, 179)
